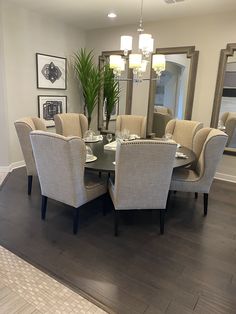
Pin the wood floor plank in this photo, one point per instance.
(191, 267)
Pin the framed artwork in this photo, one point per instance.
(115, 111)
(48, 106)
(51, 71)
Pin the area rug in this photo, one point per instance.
(24, 288)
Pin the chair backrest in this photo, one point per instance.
(183, 131)
(23, 128)
(163, 110)
(159, 123)
(224, 117)
(208, 146)
(143, 174)
(71, 124)
(60, 164)
(135, 124)
(230, 129)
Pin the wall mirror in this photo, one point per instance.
(123, 106)
(224, 107)
(171, 95)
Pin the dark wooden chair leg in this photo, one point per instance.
(196, 195)
(116, 222)
(30, 179)
(76, 221)
(44, 207)
(162, 220)
(205, 197)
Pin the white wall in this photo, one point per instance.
(4, 134)
(209, 34)
(25, 33)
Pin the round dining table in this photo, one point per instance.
(105, 161)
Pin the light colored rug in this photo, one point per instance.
(25, 289)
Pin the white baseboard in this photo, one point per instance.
(225, 177)
(14, 165)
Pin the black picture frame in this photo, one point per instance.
(51, 72)
(49, 105)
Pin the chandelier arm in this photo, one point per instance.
(140, 28)
(141, 12)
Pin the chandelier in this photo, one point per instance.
(137, 61)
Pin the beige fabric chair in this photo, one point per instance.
(135, 124)
(60, 164)
(229, 121)
(71, 124)
(163, 110)
(23, 128)
(208, 146)
(142, 176)
(161, 116)
(183, 131)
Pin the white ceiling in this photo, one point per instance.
(92, 14)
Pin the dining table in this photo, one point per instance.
(105, 161)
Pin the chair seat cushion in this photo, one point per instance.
(184, 179)
(95, 186)
(184, 174)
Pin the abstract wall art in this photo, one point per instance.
(51, 72)
(48, 106)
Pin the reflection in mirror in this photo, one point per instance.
(171, 88)
(171, 96)
(123, 105)
(224, 109)
(227, 119)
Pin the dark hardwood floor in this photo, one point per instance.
(190, 269)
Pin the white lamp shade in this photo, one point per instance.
(126, 43)
(146, 42)
(122, 64)
(115, 61)
(158, 62)
(150, 45)
(135, 60)
(144, 66)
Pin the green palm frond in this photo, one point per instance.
(89, 77)
(111, 89)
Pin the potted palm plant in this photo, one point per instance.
(111, 92)
(90, 80)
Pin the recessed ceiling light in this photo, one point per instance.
(111, 15)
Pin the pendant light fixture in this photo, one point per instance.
(137, 61)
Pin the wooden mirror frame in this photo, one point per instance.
(129, 86)
(192, 54)
(224, 54)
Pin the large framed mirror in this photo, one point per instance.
(171, 95)
(123, 105)
(224, 107)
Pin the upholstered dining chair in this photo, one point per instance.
(208, 145)
(161, 116)
(23, 128)
(60, 164)
(135, 124)
(229, 121)
(183, 131)
(71, 124)
(142, 177)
